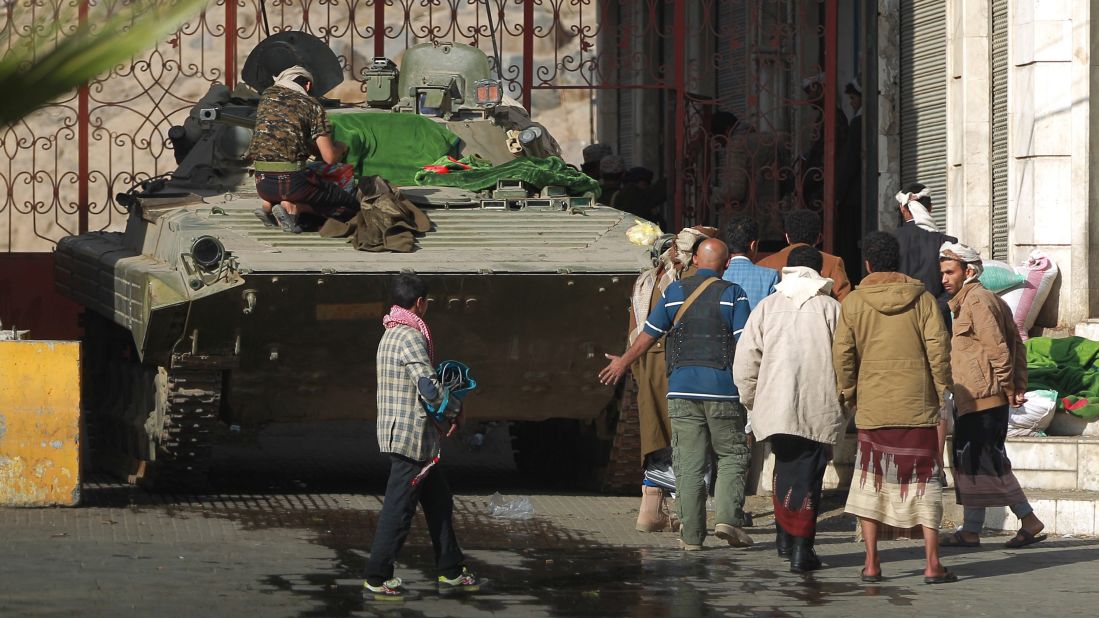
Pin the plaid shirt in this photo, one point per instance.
(757, 282)
(403, 426)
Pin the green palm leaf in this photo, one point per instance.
(30, 78)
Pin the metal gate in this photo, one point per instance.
(744, 57)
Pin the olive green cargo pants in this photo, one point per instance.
(697, 427)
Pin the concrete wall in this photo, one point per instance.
(968, 142)
(889, 126)
(1049, 130)
(1049, 133)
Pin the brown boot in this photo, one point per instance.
(652, 517)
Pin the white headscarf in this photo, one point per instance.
(287, 77)
(800, 283)
(662, 275)
(687, 239)
(966, 255)
(920, 216)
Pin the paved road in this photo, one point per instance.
(285, 536)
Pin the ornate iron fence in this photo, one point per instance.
(701, 58)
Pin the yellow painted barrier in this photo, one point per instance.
(39, 423)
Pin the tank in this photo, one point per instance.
(199, 319)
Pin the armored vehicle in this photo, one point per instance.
(199, 317)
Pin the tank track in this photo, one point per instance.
(150, 425)
(182, 428)
(623, 472)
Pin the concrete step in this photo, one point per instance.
(1051, 463)
(1063, 512)
(1060, 476)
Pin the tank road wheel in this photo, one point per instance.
(178, 431)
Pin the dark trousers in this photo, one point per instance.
(798, 483)
(307, 187)
(395, 521)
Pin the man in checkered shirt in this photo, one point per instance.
(405, 376)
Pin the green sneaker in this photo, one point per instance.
(466, 581)
(389, 590)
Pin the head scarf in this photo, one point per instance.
(920, 216)
(966, 255)
(687, 239)
(594, 153)
(665, 271)
(800, 283)
(399, 316)
(287, 77)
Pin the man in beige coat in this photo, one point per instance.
(783, 370)
(893, 366)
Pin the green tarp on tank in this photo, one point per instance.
(537, 172)
(1069, 366)
(393, 146)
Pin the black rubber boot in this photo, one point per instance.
(782, 542)
(802, 558)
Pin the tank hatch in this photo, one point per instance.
(283, 50)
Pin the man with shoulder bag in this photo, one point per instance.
(701, 317)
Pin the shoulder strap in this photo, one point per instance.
(692, 298)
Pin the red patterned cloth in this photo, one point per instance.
(399, 316)
(340, 174)
(897, 477)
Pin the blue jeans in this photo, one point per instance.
(975, 516)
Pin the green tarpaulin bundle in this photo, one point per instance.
(1069, 366)
(393, 146)
(537, 172)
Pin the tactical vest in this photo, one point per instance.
(702, 337)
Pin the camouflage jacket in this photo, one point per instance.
(288, 124)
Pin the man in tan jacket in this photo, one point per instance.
(988, 361)
(803, 228)
(893, 367)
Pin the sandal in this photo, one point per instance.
(946, 578)
(871, 579)
(957, 540)
(287, 221)
(267, 218)
(1023, 538)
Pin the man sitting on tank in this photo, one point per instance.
(291, 127)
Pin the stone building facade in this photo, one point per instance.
(988, 102)
(1020, 75)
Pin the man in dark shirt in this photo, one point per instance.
(920, 240)
(291, 126)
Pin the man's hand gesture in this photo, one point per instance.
(613, 372)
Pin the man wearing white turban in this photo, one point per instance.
(988, 363)
(920, 240)
(292, 127)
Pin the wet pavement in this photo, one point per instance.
(285, 535)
